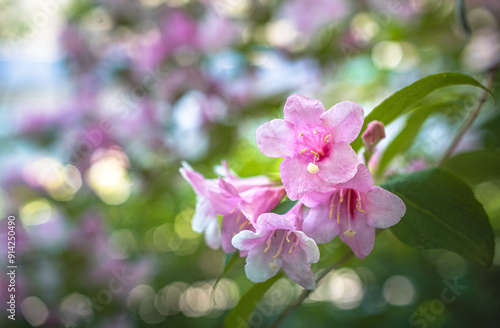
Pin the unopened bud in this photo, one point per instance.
(373, 134)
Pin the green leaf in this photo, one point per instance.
(284, 206)
(406, 98)
(231, 260)
(475, 167)
(239, 316)
(442, 212)
(405, 138)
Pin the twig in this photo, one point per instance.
(306, 292)
(471, 118)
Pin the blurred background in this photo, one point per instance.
(101, 100)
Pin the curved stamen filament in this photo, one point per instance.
(332, 205)
(303, 151)
(281, 246)
(349, 232)
(293, 245)
(341, 199)
(238, 218)
(315, 154)
(326, 138)
(268, 243)
(301, 134)
(244, 224)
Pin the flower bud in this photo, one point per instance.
(373, 134)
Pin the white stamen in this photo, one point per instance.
(349, 233)
(312, 168)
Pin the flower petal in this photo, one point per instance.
(298, 181)
(319, 225)
(383, 208)
(194, 178)
(345, 120)
(362, 181)
(363, 240)
(213, 235)
(232, 224)
(297, 264)
(276, 138)
(309, 246)
(340, 166)
(257, 267)
(301, 110)
(272, 221)
(260, 200)
(203, 215)
(246, 240)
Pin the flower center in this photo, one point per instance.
(280, 239)
(351, 200)
(313, 146)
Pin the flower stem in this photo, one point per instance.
(306, 292)
(471, 118)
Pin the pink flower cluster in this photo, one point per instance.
(335, 194)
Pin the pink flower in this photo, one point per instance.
(239, 201)
(278, 242)
(314, 143)
(375, 131)
(353, 211)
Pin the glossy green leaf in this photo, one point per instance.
(239, 315)
(442, 212)
(405, 138)
(403, 100)
(475, 167)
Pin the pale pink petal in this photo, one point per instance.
(345, 120)
(272, 221)
(340, 166)
(301, 110)
(312, 199)
(309, 246)
(362, 181)
(276, 138)
(363, 240)
(232, 224)
(257, 267)
(383, 208)
(246, 240)
(298, 268)
(212, 234)
(298, 181)
(319, 225)
(194, 178)
(260, 200)
(203, 215)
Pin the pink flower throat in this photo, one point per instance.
(313, 145)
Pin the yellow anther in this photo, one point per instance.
(312, 168)
(326, 138)
(331, 210)
(303, 151)
(315, 132)
(300, 134)
(338, 217)
(315, 153)
(349, 233)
